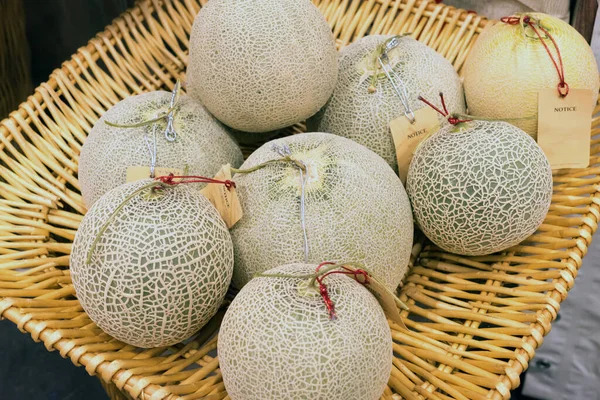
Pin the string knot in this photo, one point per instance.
(360, 275)
(229, 184)
(453, 120)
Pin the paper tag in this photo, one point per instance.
(385, 297)
(225, 200)
(138, 173)
(564, 127)
(407, 136)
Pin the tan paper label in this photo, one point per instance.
(138, 173)
(407, 136)
(385, 297)
(225, 200)
(564, 127)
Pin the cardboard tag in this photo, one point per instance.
(407, 136)
(388, 301)
(138, 173)
(564, 127)
(225, 200)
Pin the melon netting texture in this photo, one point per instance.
(479, 190)
(356, 209)
(364, 117)
(160, 270)
(202, 144)
(506, 70)
(261, 65)
(278, 343)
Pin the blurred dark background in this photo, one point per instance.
(36, 36)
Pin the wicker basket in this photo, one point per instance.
(15, 74)
(475, 322)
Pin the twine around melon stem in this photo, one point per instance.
(320, 274)
(563, 86)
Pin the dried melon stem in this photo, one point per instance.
(151, 186)
(370, 68)
(168, 114)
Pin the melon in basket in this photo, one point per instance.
(479, 187)
(365, 101)
(355, 207)
(277, 340)
(151, 266)
(509, 65)
(201, 144)
(261, 65)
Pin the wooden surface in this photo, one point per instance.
(584, 17)
(475, 322)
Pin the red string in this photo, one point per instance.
(452, 120)
(356, 273)
(563, 87)
(183, 179)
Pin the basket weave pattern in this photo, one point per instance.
(475, 322)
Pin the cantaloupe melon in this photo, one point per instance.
(277, 341)
(161, 265)
(356, 112)
(509, 65)
(202, 144)
(355, 209)
(261, 65)
(479, 187)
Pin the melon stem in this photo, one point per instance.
(382, 48)
(288, 159)
(117, 210)
(159, 116)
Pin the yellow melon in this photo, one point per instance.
(509, 65)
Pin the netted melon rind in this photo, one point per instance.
(357, 114)
(276, 344)
(507, 68)
(160, 270)
(261, 65)
(202, 143)
(356, 209)
(481, 190)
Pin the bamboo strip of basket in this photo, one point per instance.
(475, 322)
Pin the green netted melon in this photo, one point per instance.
(355, 209)
(277, 341)
(261, 65)
(509, 65)
(357, 112)
(202, 143)
(161, 268)
(480, 187)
